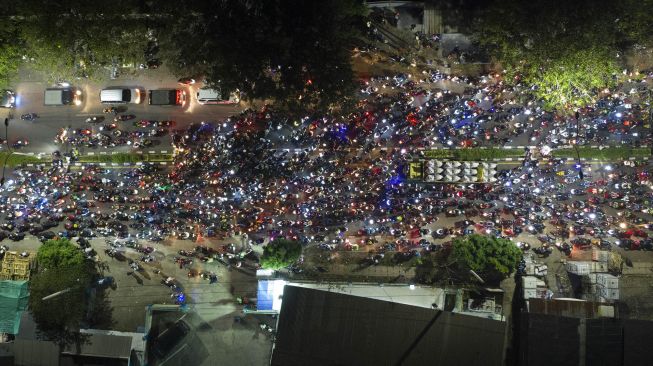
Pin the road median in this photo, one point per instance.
(21, 159)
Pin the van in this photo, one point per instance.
(120, 95)
(214, 96)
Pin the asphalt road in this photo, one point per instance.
(42, 131)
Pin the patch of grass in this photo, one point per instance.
(122, 158)
(610, 153)
(14, 159)
(473, 154)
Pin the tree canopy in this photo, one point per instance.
(567, 49)
(61, 267)
(10, 52)
(59, 253)
(59, 318)
(294, 52)
(297, 52)
(280, 253)
(491, 258)
(77, 38)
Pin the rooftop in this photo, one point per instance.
(326, 328)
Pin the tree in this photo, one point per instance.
(567, 49)
(59, 318)
(59, 253)
(491, 258)
(295, 52)
(77, 38)
(62, 267)
(10, 52)
(280, 253)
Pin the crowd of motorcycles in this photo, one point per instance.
(112, 132)
(341, 173)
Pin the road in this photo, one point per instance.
(42, 131)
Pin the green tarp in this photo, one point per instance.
(13, 301)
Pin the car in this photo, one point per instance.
(167, 97)
(215, 96)
(120, 95)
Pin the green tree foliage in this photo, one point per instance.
(59, 318)
(296, 52)
(59, 253)
(280, 253)
(61, 267)
(77, 38)
(10, 52)
(491, 258)
(568, 49)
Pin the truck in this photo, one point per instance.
(167, 97)
(63, 96)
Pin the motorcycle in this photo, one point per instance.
(20, 143)
(124, 117)
(108, 127)
(29, 117)
(94, 119)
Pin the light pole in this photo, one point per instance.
(580, 164)
(650, 118)
(4, 164)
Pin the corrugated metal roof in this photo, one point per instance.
(103, 345)
(325, 328)
(33, 353)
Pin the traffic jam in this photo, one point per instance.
(340, 182)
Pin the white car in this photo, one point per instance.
(119, 95)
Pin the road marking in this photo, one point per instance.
(90, 153)
(164, 151)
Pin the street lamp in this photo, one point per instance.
(4, 164)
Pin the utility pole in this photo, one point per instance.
(650, 119)
(4, 165)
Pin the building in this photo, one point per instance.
(100, 347)
(572, 332)
(14, 267)
(317, 327)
